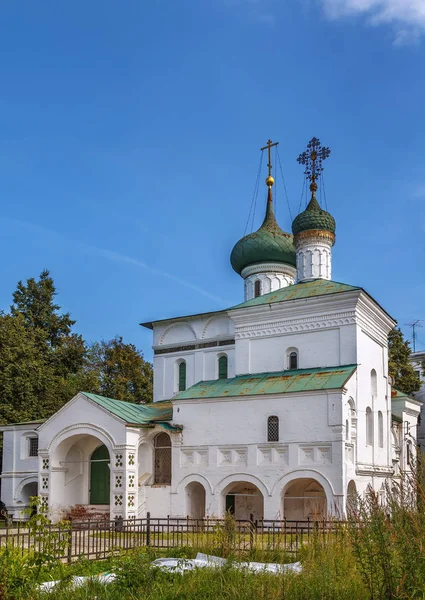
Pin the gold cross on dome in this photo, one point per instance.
(268, 147)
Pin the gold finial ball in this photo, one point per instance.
(269, 181)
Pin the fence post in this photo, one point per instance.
(69, 552)
(148, 528)
(251, 531)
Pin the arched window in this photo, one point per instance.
(257, 288)
(380, 429)
(162, 459)
(369, 427)
(222, 367)
(182, 376)
(293, 360)
(273, 429)
(32, 446)
(373, 383)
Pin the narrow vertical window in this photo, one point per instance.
(369, 426)
(33, 446)
(273, 429)
(293, 361)
(162, 459)
(373, 383)
(222, 367)
(347, 430)
(409, 453)
(257, 288)
(380, 429)
(182, 376)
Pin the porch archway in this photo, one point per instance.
(242, 499)
(195, 500)
(303, 499)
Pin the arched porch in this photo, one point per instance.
(195, 497)
(242, 499)
(80, 473)
(303, 499)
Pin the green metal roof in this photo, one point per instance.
(397, 395)
(281, 382)
(313, 217)
(268, 244)
(136, 414)
(305, 289)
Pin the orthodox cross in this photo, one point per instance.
(268, 147)
(312, 159)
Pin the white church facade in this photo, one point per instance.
(280, 406)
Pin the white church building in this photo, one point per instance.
(280, 406)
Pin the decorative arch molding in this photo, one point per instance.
(22, 484)
(183, 325)
(82, 428)
(195, 477)
(238, 477)
(284, 481)
(211, 321)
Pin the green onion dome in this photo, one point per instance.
(313, 217)
(268, 244)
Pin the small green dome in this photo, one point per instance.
(268, 244)
(313, 217)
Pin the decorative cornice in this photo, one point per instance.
(271, 268)
(313, 236)
(378, 470)
(296, 325)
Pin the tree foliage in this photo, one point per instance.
(44, 363)
(399, 367)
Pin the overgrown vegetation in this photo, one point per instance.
(378, 554)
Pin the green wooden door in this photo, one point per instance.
(99, 476)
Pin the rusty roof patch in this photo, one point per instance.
(281, 382)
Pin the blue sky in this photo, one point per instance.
(130, 136)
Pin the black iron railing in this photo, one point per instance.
(99, 539)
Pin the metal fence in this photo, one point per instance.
(100, 539)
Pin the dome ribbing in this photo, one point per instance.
(268, 244)
(313, 218)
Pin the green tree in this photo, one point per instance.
(29, 387)
(117, 370)
(400, 368)
(35, 303)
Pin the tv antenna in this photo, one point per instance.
(413, 326)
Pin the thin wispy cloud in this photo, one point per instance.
(406, 16)
(111, 255)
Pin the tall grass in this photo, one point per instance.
(379, 554)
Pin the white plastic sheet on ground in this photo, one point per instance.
(79, 581)
(181, 565)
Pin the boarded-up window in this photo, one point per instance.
(273, 429)
(380, 429)
(162, 459)
(369, 426)
(222, 367)
(182, 376)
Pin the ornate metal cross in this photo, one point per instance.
(312, 159)
(268, 147)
